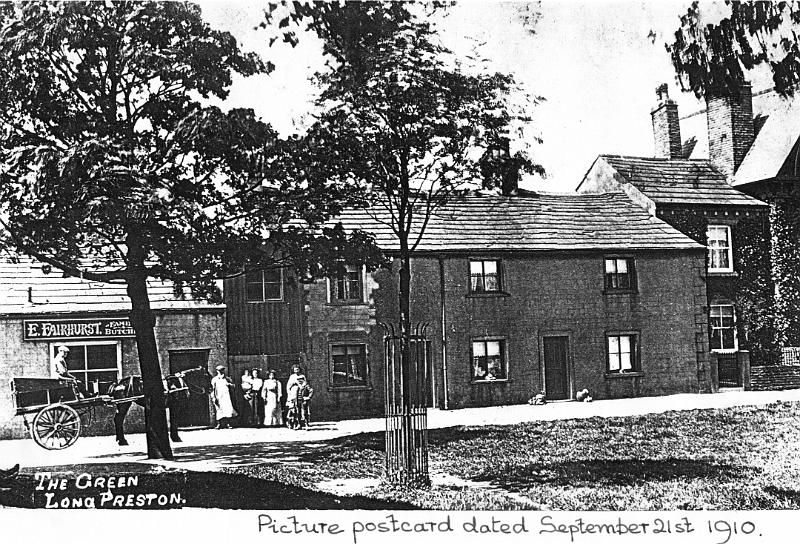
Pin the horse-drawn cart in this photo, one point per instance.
(58, 405)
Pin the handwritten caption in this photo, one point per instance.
(86, 490)
(578, 529)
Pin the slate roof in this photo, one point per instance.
(544, 222)
(53, 293)
(679, 181)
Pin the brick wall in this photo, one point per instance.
(174, 331)
(667, 131)
(730, 129)
(750, 286)
(774, 378)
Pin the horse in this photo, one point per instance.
(177, 387)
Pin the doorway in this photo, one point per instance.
(192, 411)
(556, 373)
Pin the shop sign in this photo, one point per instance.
(68, 329)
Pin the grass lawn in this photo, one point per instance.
(731, 459)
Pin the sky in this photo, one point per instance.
(596, 63)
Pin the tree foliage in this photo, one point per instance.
(406, 123)
(113, 167)
(714, 58)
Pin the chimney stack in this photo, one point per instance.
(730, 128)
(666, 126)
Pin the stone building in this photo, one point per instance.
(520, 294)
(40, 310)
(695, 196)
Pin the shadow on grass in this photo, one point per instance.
(199, 489)
(601, 472)
(788, 495)
(376, 441)
(233, 455)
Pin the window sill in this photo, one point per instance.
(347, 303)
(620, 375)
(499, 380)
(620, 291)
(347, 388)
(723, 273)
(265, 301)
(488, 294)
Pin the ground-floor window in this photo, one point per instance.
(623, 355)
(722, 318)
(96, 364)
(488, 360)
(349, 365)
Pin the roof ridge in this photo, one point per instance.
(657, 159)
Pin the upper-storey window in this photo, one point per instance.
(348, 287)
(620, 273)
(720, 248)
(484, 276)
(264, 285)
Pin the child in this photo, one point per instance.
(304, 395)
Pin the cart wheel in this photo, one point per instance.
(56, 427)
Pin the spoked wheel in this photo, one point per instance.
(56, 427)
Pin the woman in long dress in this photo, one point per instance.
(272, 400)
(221, 387)
(257, 402)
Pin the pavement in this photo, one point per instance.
(212, 450)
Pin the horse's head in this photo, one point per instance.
(198, 380)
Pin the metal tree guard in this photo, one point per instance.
(406, 419)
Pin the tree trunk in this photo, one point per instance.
(408, 378)
(143, 322)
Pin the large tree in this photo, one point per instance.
(114, 168)
(714, 57)
(402, 119)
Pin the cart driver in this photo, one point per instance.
(60, 370)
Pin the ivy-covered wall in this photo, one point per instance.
(750, 287)
(785, 221)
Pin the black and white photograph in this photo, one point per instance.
(383, 271)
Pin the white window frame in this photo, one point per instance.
(711, 307)
(503, 358)
(633, 353)
(71, 344)
(729, 249)
(264, 288)
(331, 288)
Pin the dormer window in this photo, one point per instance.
(720, 248)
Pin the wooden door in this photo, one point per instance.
(556, 378)
(192, 411)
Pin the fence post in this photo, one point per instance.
(713, 363)
(744, 369)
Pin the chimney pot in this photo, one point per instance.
(666, 126)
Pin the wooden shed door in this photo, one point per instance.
(191, 412)
(556, 381)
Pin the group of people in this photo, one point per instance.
(260, 400)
